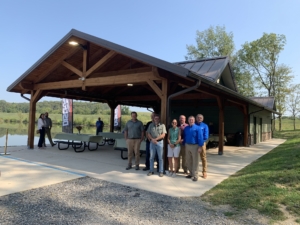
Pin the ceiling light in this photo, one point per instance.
(73, 43)
(130, 85)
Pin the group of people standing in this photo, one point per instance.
(44, 127)
(185, 140)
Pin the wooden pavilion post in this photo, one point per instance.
(163, 104)
(246, 125)
(112, 105)
(35, 96)
(221, 125)
(163, 95)
(164, 118)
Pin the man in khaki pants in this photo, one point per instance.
(182, 124)
(134, 135)
(203, 126)
(193, 141)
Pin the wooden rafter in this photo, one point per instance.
(99, 81)
(123, 72)
(72, 68)
(101, 62)
(155, 88)
(56, 64)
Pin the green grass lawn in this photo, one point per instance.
(267, 183)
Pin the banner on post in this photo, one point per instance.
(67, 115)
(117, 118)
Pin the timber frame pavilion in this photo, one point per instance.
(100, 71)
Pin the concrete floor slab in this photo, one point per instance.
(106, 164)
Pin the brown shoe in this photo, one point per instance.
(204, 175)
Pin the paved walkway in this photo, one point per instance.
(26, 169)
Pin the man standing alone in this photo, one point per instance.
(204, 128)
(134, 135)
(48, 126)
(193, 141)
(99, 126)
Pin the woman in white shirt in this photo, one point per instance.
(42, 130)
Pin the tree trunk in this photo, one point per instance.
(294, 122)
(274, 122)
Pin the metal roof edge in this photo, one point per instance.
(193, 75)
(203, 59)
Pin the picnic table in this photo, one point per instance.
(213, 141)
(77, 140)
(109, 137)
(120, 144)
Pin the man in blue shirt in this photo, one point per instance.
(193, 141)
(204, 128)
(99, 126)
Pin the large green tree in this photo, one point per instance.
(293, 102)
(214, 41)
(262, 59)
(243, 77)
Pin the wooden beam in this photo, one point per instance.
(221, 125)
(25, 85)
(35, 96)
(84, 63)
(112, 105)
(155, 87)
(123, 72)
(138, 98)
(163, 106)
(99, 81)
(101, 62)
(72, 68)
(56, 64)
(155, 72)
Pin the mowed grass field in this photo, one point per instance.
(270, 185)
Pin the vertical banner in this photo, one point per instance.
(117, 119)
(67, 115)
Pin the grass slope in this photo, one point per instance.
(267, 183)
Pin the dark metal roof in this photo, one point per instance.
(111, 46)
(266, 101)
(211, 68)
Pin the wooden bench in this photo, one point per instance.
(120, 145)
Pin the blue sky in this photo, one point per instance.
(158, 28)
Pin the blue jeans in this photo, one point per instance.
(147, 162)
(157, 149)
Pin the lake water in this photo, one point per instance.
(18, 133)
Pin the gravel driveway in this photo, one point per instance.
(92, 201)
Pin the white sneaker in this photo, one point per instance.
(174, 175)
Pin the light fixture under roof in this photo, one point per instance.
(73, 43)
(130, 85)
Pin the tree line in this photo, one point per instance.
(256, 66)
(55, 107)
